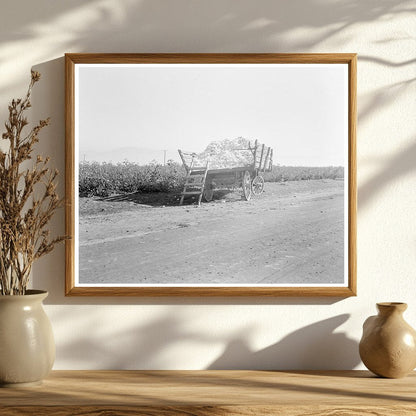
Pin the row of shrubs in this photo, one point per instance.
(104, 179)
(301, 173)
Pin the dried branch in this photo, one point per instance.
(23, 218)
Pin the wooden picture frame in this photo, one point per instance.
(85, 92)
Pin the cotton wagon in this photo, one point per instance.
(211, 171)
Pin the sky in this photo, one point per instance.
(148, 111)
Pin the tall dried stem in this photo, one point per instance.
(28, 199)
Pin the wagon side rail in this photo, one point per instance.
(262, 157)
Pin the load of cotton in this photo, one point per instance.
(226, 154)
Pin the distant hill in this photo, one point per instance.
(141, 156)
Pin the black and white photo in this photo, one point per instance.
(212, 175)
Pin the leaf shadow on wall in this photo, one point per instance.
(144, 346)
(398, 165)
(314, 346)
(394, 168)
(151, 345)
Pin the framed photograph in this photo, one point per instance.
(211, 174)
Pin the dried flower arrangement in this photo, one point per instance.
(28, 199)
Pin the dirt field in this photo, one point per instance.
(292, 233)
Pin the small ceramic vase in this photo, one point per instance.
(388, 344)
(27, 347)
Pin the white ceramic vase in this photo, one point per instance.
(27, 347)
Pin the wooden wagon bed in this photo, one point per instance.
(202, 180)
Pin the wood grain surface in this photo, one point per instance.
(202, 393)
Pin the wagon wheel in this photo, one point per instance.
(246, 184)
(257, 185)
(208, 192)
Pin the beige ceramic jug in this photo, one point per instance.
(388, 344)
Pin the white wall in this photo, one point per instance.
(198, 333)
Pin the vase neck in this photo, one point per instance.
(390, 308)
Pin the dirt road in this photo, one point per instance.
(292, 233)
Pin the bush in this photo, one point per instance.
(300, 173)
(104, 179)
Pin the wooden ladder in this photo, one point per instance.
(194, 182)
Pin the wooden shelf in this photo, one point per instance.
(203, 393)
